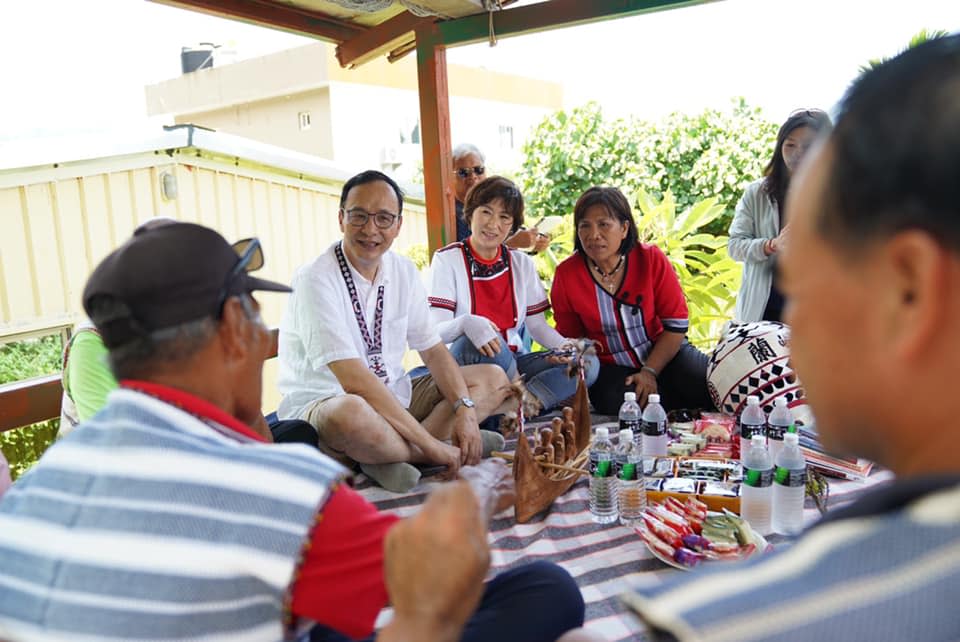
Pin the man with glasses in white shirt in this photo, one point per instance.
(353, 313)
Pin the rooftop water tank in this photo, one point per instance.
(198, 57)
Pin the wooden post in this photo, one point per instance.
(435, 137)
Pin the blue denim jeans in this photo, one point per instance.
(548, 381)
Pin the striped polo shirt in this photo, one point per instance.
(148, 522)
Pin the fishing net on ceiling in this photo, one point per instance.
(421, 9)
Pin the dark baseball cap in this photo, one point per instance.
(166, 276)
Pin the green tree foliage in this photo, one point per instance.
(710, 278)
(23, 360)
(916, 39)
(696, 165)
(710, 154)
(419, 254)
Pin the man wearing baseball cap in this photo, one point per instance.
(166, 516)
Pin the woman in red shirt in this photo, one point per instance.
(625, 295)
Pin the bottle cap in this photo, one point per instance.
(629, 396)
(791, 439)
(756, 440)
(603, 433)
(653, 398)
(626, 435)
(753, 400)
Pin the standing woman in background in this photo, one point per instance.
(758, 233)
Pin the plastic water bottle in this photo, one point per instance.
(752, 422)
(629, 415)
(632, 495)
(756, 489)
(603, 481)
(654, 425)
(779, 424)
(789, 487)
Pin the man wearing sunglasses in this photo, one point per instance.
(353, 314)
(166, 517)
(468, 170)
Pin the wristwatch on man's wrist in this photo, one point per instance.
(463, 402)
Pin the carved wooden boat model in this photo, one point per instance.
(537, 486)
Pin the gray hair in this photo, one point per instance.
(464, 149)
(150, 353)
(160, 349)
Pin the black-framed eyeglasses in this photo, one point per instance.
(464, 172)
(358, 217)
(251, 258)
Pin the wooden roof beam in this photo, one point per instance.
(378, 40)
(288, 18)
(554, 14)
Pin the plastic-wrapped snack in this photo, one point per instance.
(702, 475)
(679, 485)
(715, 429)
(722, 489)
(678, 429)
(708, 464)
(652, 483)
(687, 557)
(699, 441)
(662, 467)
(718, 417)
(680, 449)
(718, 449)
(648, 463)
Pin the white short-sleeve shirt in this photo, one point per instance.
(319, 327)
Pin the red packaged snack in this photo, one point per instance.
(661, 530)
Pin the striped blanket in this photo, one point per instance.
(606, 560)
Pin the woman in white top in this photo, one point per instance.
(757, 233)
(482, 293)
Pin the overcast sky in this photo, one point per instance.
(72, 65)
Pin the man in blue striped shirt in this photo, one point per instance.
(872, 277)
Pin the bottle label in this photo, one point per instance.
(757, 478)
(628, 471)
(776, 432)
(601, 465)
(654, 428)
(790, 477)
(747, 431)
(633, 425)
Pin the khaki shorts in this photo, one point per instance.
(423, 399)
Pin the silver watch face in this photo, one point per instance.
(464, 401)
